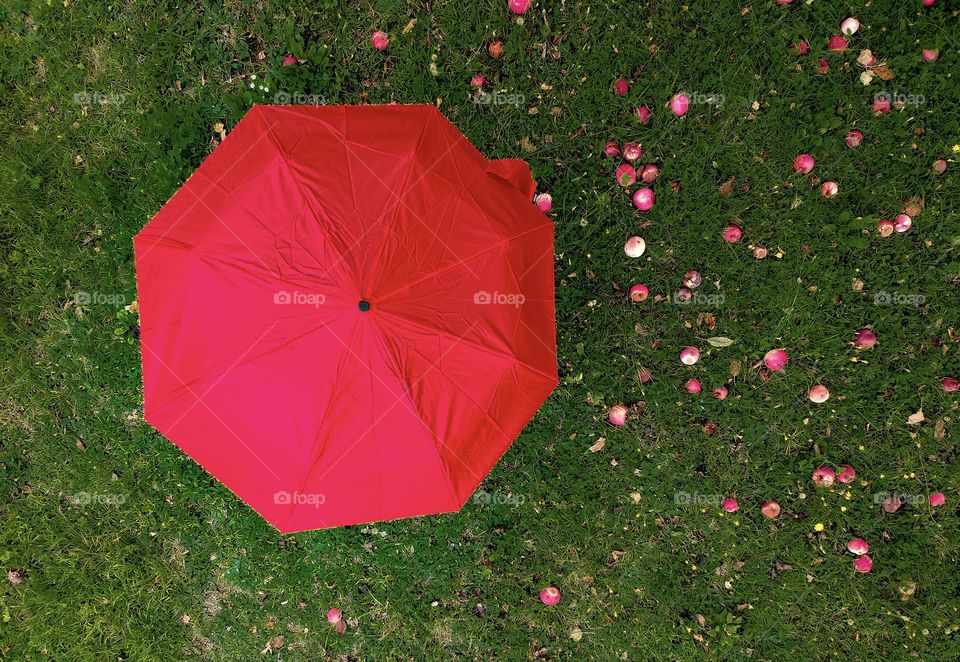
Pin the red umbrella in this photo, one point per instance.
(347, 313)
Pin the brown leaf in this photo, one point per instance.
(883, 71)
(598, 445)
(939, 430)
(735, 368)
(727, 188)
(615, 556)
(907, 589)
(916, 419)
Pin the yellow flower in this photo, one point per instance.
(956, 148)
(818, 526)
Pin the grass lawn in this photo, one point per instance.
(119, 546)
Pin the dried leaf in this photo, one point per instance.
(598, 445)
(727, 188)
(409, 26)
(883, 71)
(916, 419)
(735, 368)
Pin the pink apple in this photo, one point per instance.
(824, 476)
(380, 40)
(689, 355)
(803, 164)
(550, 596)
(635, 247)
(626, 175)
(950, 384)
(775, 359)
(721, 392)
(643, 199)
(858, 546)
(639, 293)
(865, 339)
(679, 104)
(519, 6)
(829, 189)
(544, 202)
(621, 87)
(863, 564)
(937, 499)
(649, 173)
(849, 26)
(730, 505)
(693, 386)
(770, 509)
(818, 393)
(837, 44)
(847, 474)
(881, 104)
(902, 223)
(732, 233)
(854, 138)
(643, 114)
(632, 151)
(617, 415)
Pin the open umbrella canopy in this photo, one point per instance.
(347, 313)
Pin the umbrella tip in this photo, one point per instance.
(364, 305)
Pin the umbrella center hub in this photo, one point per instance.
(364, 305)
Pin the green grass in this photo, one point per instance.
(182, 569)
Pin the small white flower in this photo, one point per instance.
(253, 77)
